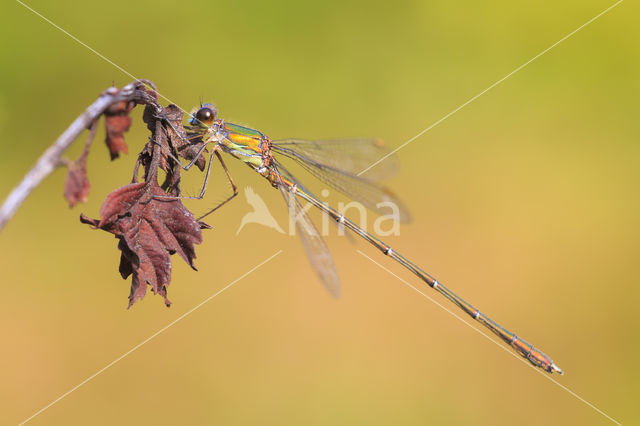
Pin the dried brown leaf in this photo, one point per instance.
(117, 122)
(186, 148)
(150, 230)
(76, 186)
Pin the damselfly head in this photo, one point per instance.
(204, 116)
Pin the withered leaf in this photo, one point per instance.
(76, 186)
(186, 145)
(117, 122)
(149, 230)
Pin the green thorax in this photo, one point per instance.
(244, 143)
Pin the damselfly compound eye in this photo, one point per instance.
(205, 115)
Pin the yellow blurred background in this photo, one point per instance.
(525, 202)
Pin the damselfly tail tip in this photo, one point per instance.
(336, 293)
(555, 368)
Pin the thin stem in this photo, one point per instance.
(51, 158)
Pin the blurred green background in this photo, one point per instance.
(525, 202)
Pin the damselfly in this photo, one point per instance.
(337, 163)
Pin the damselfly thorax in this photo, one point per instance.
(248, 145)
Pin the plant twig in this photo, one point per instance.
(51, 158)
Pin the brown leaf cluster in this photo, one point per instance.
(148, 219)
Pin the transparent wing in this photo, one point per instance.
(314, 246)
(287, 174)
(370, 193)
(350, 155)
